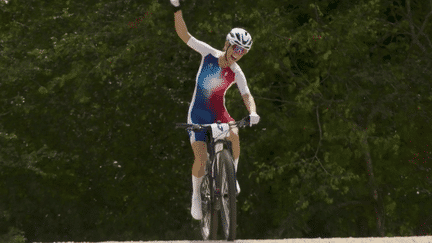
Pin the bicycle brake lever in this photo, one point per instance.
(244, 122)
(247, 121)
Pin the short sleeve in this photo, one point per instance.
(203, 48)
(240, 79)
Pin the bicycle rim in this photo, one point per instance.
(228, 190)
(209, 221)
(205, 206)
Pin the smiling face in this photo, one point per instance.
(234, 53)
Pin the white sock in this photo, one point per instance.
(196, 198)
(196, 183)
(236, 164)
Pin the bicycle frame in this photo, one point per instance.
(217, 143)
(213, 148)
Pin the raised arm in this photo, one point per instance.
(180, 27)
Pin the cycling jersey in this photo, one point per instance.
(212, 82)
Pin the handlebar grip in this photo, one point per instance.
(181, 125)
(244, 122)
(188, 126)
(196, 127)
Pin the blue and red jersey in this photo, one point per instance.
(212, 82)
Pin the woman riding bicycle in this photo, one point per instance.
(217, 72)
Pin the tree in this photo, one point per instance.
(91, 92)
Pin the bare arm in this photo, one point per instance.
(250, 103)
(180, 27)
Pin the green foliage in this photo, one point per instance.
(90, 93)
(13, 236)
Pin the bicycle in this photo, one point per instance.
(220, 176)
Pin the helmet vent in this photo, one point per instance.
(240, 37)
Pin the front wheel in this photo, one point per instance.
(209, 221)
(228, 190)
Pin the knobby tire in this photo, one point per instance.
(209, 222)
(227, 167)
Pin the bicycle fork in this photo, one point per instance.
(217, 177)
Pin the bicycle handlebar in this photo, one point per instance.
(196, 127)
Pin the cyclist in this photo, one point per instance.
(217, 72)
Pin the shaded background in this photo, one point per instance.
(90, 92)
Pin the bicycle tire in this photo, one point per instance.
(209, 222)
(228, 210)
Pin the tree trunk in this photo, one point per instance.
(378, 203)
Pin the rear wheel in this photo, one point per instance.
(228, 191)
(209, 221)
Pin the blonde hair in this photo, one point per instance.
(226, 46)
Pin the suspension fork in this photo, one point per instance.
(217, 170)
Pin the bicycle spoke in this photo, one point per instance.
(205, 204)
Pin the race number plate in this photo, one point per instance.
(220, 131)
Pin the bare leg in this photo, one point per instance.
(200, 151)
(234, 138)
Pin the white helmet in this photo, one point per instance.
(241, 37)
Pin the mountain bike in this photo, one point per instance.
(218, 187)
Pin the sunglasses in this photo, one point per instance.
(239, 50)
